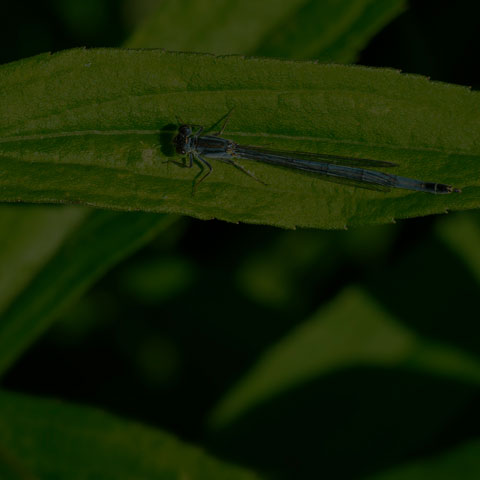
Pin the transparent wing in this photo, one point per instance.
(321, 157)
(350, 182)
(343, 174)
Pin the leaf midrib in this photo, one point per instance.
(322, 140)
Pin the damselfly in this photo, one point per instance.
(335, 168)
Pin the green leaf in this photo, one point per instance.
(333, 31)
(462, 462)
(101, 241)
(217, 27)
(29, 237)
(330, 31)
(461, 233)
(57, 440)
(11, 467)
(101, 131)
(351, 331)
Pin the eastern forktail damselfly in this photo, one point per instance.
(339, 169)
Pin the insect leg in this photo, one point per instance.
(209, 171)
(180, 164)
(229, 114)
(244, 170)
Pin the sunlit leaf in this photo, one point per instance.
(101, 132)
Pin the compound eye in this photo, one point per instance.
(185, 130)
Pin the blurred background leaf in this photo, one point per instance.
(462, 234)
(348, 372)
(461, 462)
(80, 261)
(351, 331)
(329, 31)
(29, 237)
(55, 440)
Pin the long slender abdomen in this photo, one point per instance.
(359, 175)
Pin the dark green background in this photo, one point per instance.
(163, 335)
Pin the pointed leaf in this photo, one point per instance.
(99, 135)
(351, 331)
